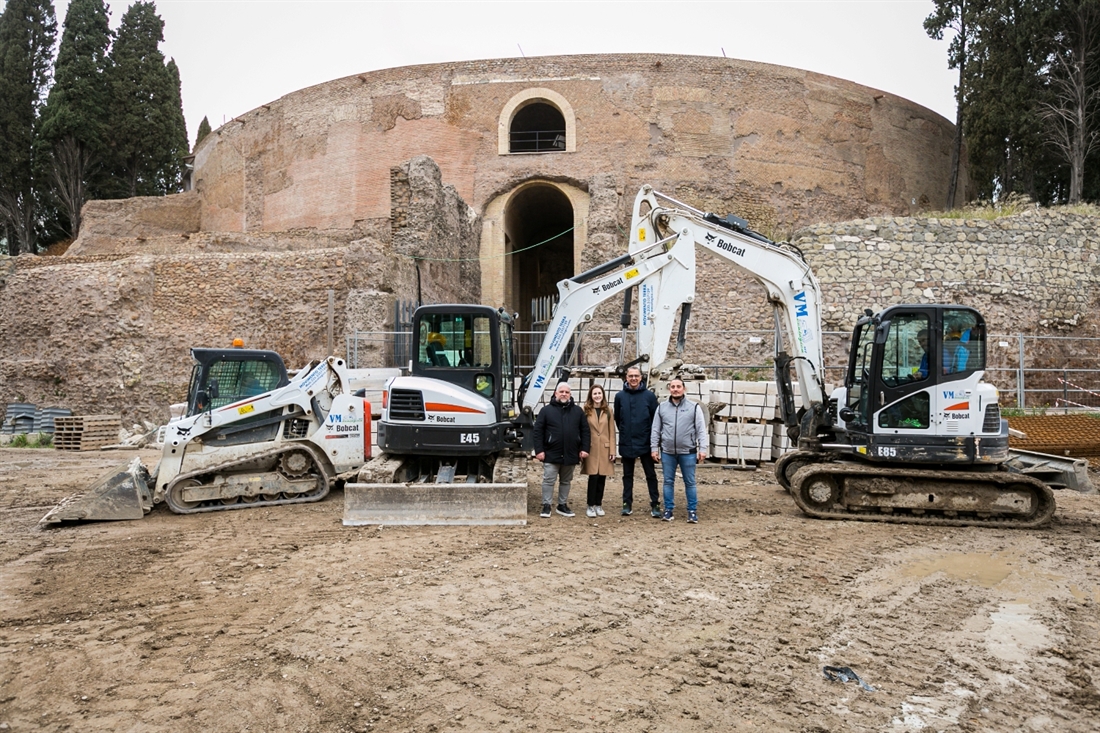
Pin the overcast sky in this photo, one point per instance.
(235, 55)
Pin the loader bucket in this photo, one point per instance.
(123, 493)
(429, 503)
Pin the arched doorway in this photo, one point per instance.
(539, 239)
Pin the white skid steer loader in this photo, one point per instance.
(251, 437)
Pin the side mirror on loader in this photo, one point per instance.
(206, 397)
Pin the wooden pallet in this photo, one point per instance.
(86, 432)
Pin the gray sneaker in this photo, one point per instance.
(655, 511)
(627, 509)
(590, 512)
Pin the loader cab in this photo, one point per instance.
(470, 346)
(221, 377)
(906, 365)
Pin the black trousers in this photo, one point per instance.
(596, 485)
(650, 479)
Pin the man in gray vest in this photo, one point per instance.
(679, 438)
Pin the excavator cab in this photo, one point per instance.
(914, 390)
(460, 398)
(469, 346)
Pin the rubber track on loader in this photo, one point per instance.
(939, 486)
(212, 506)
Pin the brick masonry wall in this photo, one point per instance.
(785, 147)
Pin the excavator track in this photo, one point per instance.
(906, 495)
(296, 476)
(383, 469)
(510, 468)
(789, 464)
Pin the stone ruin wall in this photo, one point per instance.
(301, 197)
(110, 332)
(1034, 273)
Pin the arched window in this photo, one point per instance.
(537, 121)
(537, 128)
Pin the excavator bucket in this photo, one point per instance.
(123, 493)
(435, 503)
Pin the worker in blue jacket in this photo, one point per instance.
(635, 407)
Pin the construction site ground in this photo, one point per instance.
(283, 619)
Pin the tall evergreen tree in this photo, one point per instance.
(1029, 93)
(28, 29)
(75, 121)
(955, 15)
(1004, 138)
(204, 130)
(175, 144)
(148, 132)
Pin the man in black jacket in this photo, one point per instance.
(562, 439)
(635, 407)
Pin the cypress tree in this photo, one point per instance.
(174, 146)
(75, 120)
(204, 130)
(28, 29)
(148, 132)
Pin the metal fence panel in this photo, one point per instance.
(1032, 372)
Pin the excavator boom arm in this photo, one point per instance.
(786, 277)
(661, 266)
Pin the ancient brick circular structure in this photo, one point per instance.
(557, 146)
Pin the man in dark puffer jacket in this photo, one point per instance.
(562, 439)
(635, 407)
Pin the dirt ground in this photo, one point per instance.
(283, 619)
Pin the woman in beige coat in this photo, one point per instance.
(600, 462)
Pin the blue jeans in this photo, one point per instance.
(686, 462)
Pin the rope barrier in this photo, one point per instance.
(491, 257)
